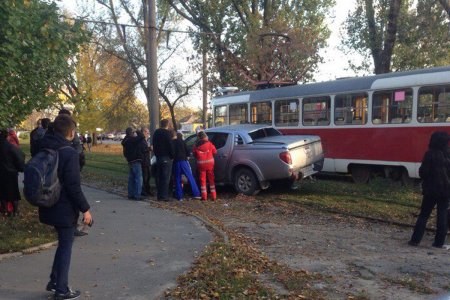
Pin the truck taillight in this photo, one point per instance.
(286, 157)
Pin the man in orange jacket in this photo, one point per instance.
(203, 151)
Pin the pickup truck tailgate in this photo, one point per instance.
(305, 149)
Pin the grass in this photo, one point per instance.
(411, 284)
(23, 231)
(381, 199)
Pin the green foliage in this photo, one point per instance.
(35, 45)
(260, 41)
(422, 38)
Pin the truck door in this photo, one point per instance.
(222, 142)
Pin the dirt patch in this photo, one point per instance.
(366, 259)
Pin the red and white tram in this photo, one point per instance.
(378, 123)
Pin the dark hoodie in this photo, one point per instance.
(72, 200)
(435, 168)
(132, 148)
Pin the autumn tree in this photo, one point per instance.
(35, 45)
(395, 35)
(126, 42)
(259, 41)
(103, 93)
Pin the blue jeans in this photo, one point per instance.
(428, 203)
(179, 168)
(135, 180)
(61, 262)
(163, 170)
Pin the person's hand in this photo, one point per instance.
(87, 218)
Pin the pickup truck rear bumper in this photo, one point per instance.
(308, 170)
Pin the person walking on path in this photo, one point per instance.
(204, 152)
(146, 174)
(12, 161)
(131, 152)
(163, 150)
(63, 216)
(89, 141)
(37, 134)
(435, 175)
(181, 167)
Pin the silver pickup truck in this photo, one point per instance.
(250, 156)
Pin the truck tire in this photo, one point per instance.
(245, 182)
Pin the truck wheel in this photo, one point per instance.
(245, 182)
(360, 173)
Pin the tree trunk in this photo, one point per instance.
(382, 55)
(172, 115)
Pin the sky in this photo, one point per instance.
(335, 62)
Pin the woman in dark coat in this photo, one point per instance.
(435, 174)
(12, 161)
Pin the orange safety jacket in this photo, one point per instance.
(203, 151)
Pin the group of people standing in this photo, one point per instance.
(172, 163)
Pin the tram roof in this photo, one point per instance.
(328, 87)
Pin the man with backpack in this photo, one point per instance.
(63, 215)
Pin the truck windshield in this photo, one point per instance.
(264, 132)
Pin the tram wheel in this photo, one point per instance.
(406, 180)
(360, 173)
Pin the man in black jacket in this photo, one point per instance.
(133, 154)
(435, 175)
(163, 150)
(64, 214)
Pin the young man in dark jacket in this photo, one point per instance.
(64, 214)
(163, 150)
(133, 154)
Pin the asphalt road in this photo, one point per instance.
(133, 251)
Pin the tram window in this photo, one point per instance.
(220, 116)
(261, 113)
(316, 111)
(392, 107)
(434, 104)
(286, 112)
(350, 109)
(238, 114)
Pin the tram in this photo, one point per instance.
(374, 124)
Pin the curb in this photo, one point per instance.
(28, 251)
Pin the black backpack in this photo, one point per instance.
(41, 185)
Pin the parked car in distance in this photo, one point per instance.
(119, 136)
(110, 136)
(249, 157)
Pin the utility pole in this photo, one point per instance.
(152, 69)
(205, 86)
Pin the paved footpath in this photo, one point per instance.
(133, 251)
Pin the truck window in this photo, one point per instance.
(263, 132)
(219, 139)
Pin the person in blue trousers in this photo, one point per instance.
(132, 153)
(181, 167)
